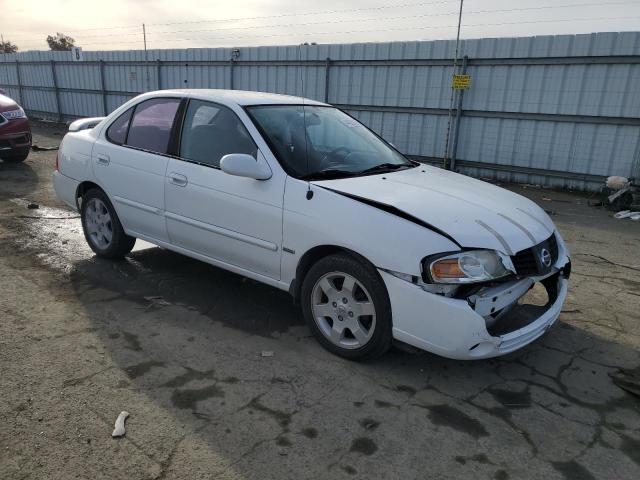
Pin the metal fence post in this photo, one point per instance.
(19, 82)
(231, 64)
(327, 68)
(104, 89)
(54, 77)
(158, 73)
(454, 149)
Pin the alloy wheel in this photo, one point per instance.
(98, 223)
(343, 309)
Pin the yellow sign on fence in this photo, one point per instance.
(461, 82)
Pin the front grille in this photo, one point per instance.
(553, 248)
(528, 261)
(525, 262)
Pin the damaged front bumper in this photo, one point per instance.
(488, 323)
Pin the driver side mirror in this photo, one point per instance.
(243, 165)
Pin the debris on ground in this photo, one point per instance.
(157, 300)
(267, 353)
(631, 215)
(119, 430)
(38, 148)
(620, 194)
(628, 380)
(616, 182)
(33, 206)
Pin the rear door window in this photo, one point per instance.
(117, 131)
(151, 124)
(212, 131)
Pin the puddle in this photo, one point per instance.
(448, 416)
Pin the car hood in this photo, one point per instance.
(474, 213)
(7, 104)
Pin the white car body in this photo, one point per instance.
(264, 229)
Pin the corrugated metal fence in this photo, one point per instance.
(551, 110)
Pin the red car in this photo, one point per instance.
(15, 133)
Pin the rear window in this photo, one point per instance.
(151, 124)
(117, 131)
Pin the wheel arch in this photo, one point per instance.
(310, 257)
(83, 188)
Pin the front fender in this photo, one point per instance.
(387, 241)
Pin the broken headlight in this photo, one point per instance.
(470, 266)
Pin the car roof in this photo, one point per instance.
(238, 97)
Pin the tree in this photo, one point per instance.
(8, 47)
(60, 42)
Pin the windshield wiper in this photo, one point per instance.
(329, 174)
(385, 167)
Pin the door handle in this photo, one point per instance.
(103, 159)
(177, 179)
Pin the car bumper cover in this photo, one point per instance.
(466, 328)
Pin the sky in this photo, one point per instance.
(117, 24)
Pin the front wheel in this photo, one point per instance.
(102, 228)
(346, 305)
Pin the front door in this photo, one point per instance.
(232, 219)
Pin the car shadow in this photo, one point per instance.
(165, 277)
(192, 338)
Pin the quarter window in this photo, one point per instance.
(212, 131)
(151, 124)
(117, 132)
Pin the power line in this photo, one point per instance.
(325, 12)
(153, 34)
(405, 17)
(395, 29)
(546, 7)
(264, 17)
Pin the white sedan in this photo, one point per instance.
(301, 196)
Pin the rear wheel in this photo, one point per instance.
(347, 307)
(16, 156)
(102, 228)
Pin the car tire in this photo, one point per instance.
(16, 156)
(102, 228)
(348, 289)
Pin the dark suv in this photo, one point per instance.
(15, 133)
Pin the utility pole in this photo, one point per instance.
(455, 65)
(146, 58)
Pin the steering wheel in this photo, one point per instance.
(325, 160)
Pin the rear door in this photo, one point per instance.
(130, 162)
(232, 219)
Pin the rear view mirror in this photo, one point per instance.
(243, 165)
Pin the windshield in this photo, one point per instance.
(324, 142)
